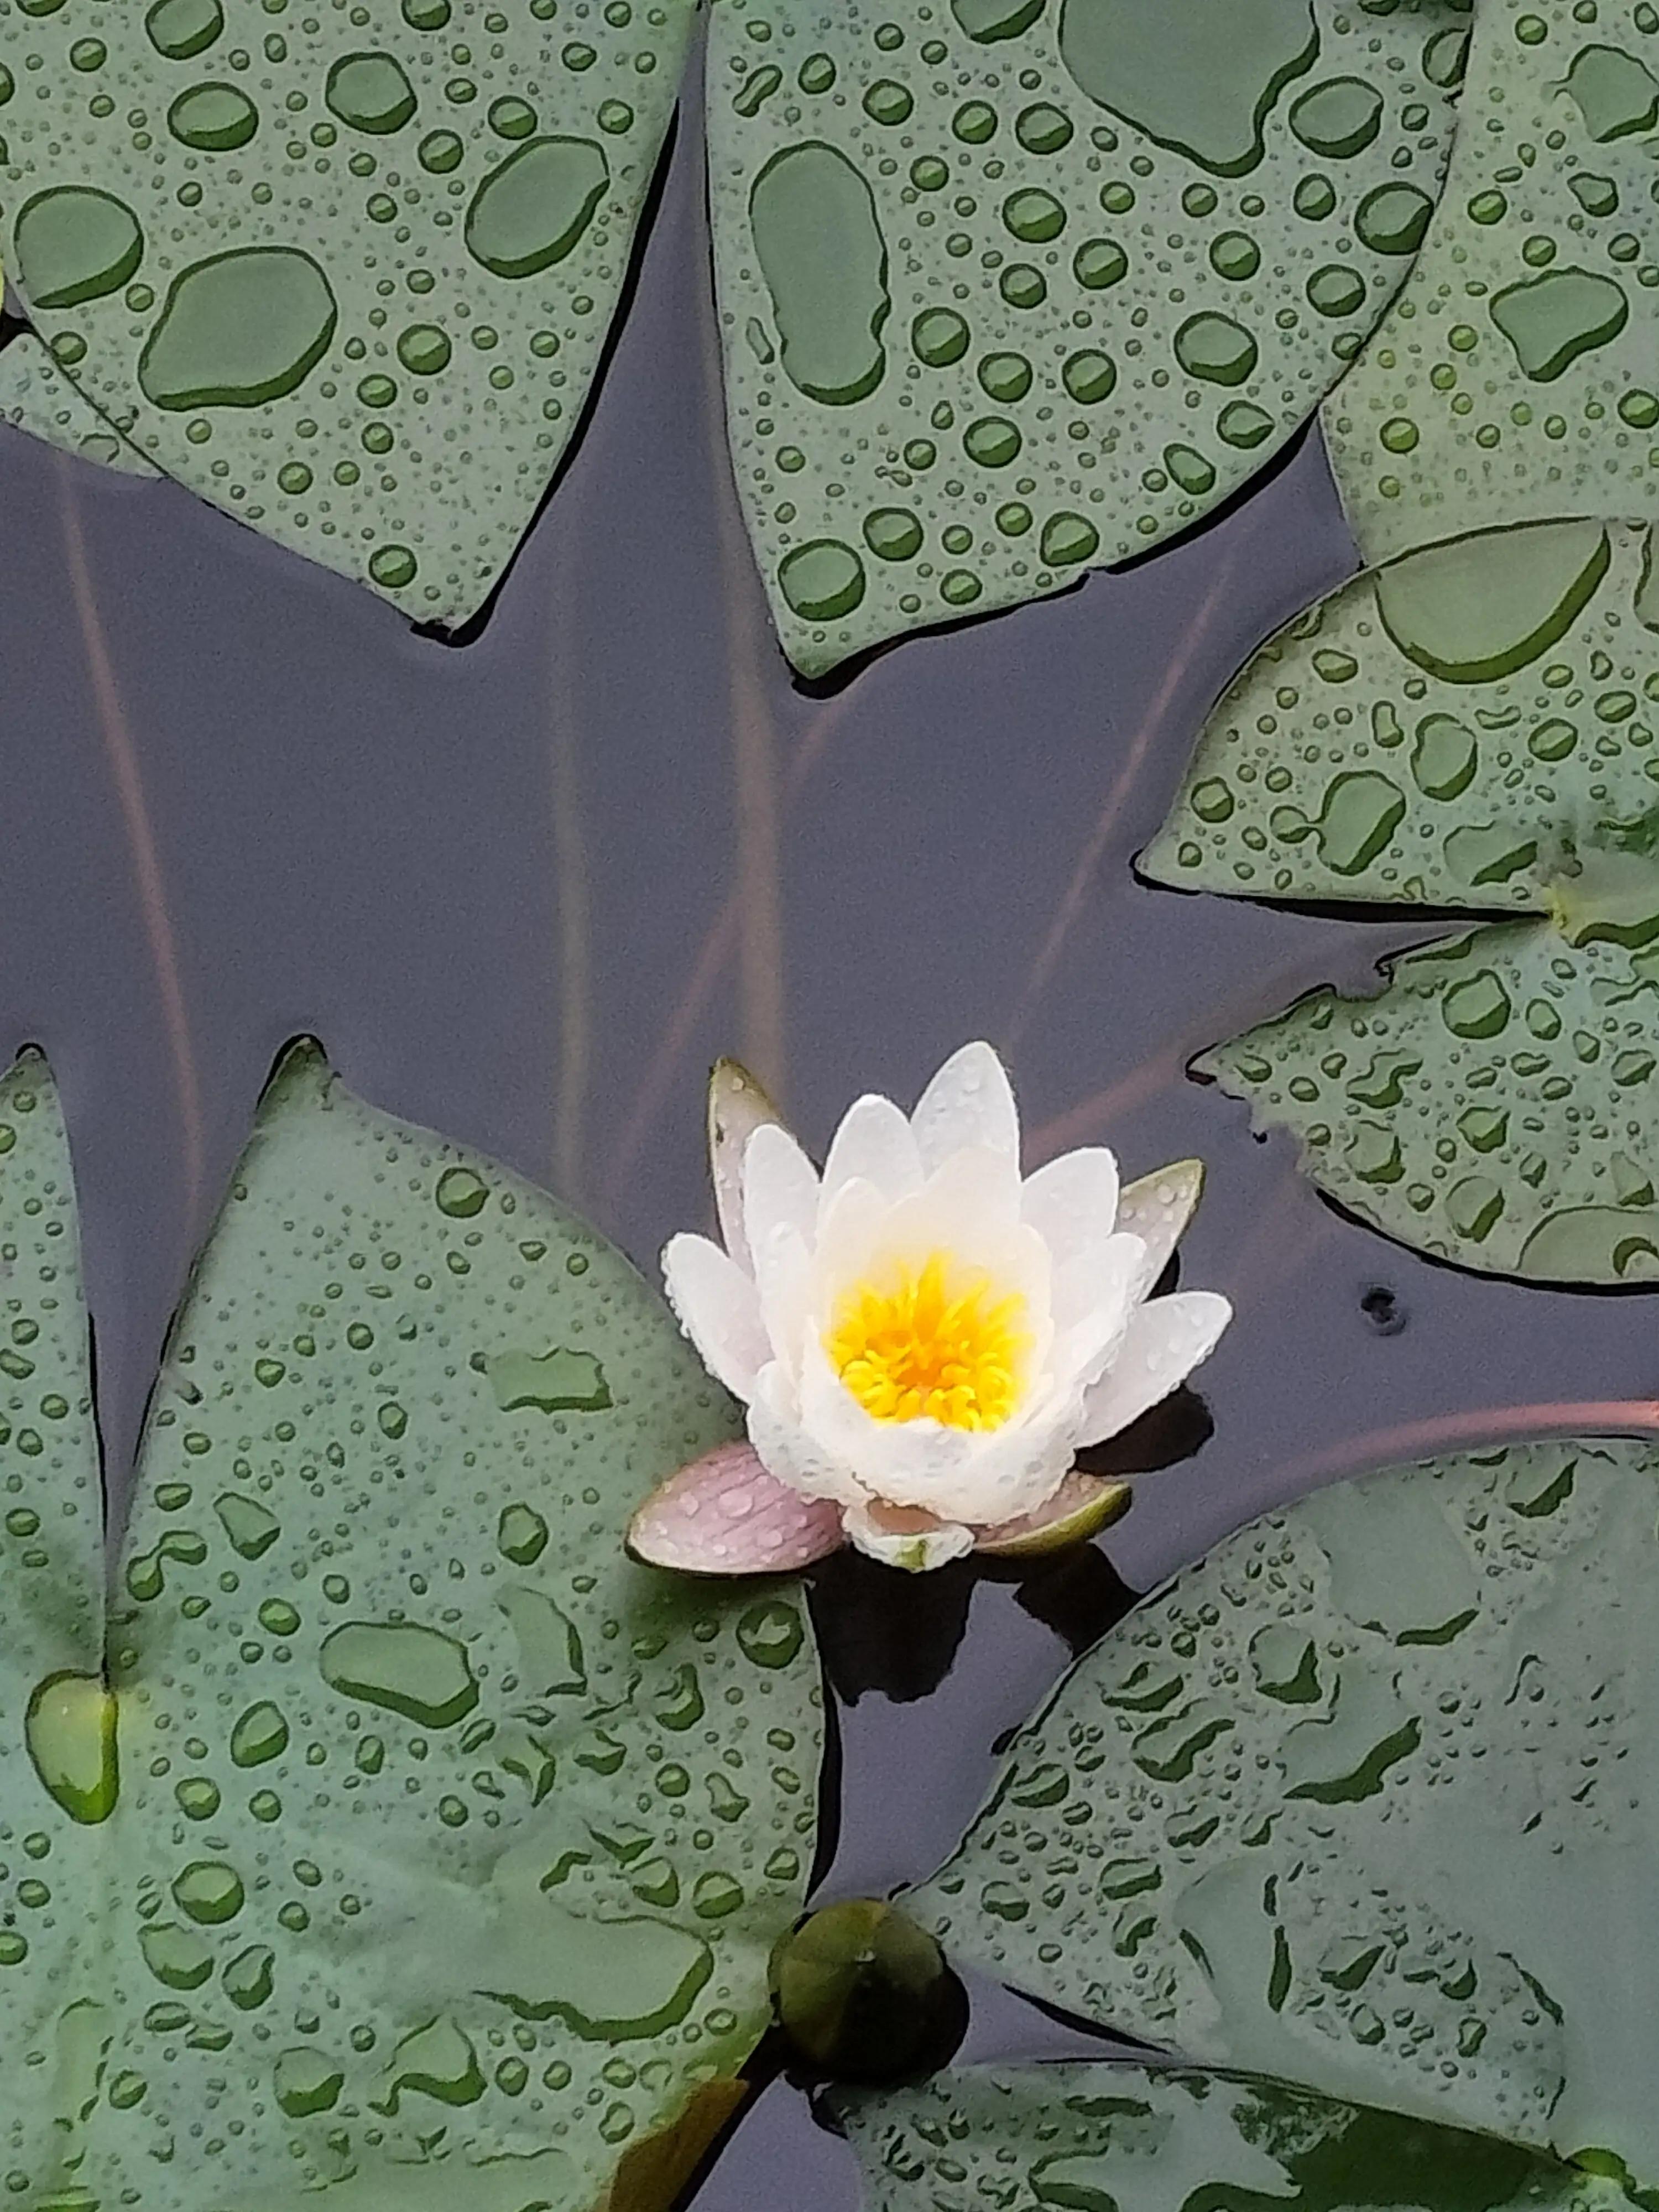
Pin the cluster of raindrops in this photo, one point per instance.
(1493, 1105)
(346, 272)
(37, 396)
(434, 1830)
(1008, 289)
(1447, 730)
(1090, 2138)
(1516, 378)
(1260, 1823)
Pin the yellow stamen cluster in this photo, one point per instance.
(935, 1340)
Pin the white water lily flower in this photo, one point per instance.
(923, 1339)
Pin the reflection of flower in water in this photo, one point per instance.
(923, 1339)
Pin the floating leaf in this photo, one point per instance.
(398, 1859)
(1364, 1802)
(1495, 1105)
(1515, 377)
(1470, 727)
(1448, 731)
(39, 397)
(1016, 290)
(1083, 2138)
(352, 288)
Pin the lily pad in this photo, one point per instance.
(1494, 1105)
(1514, 378)
(39, 397)
(350, 282)
(1366, 1803)
(1081, 2138)
(1448, 731)
(405, 1840)
(1008, 292)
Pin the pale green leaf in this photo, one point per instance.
(1082, 2138)
(1515, 378)
(1009, 290)
(1453, 730)
(1495, 1105)
(448, 1844)
(1366, 1802)
(350, 280)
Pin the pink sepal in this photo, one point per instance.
(724, 1515)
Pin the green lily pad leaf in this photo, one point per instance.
(1364, 1802)
(1451, 730)
(1017, 290)
(39, 397)
(353, 288)
(423, 1849)
(1514, 378)
(1494, 1105)
(1090, 2138)
(51, 1570)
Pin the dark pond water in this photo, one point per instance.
(524, 890)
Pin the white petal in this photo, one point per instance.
(915, 1541)
(788, 1451)
(874, 1144)
(779, 1186)
(783, 1285)
(969, 1102)
(737, 1107)
(719, 1309)
(1072, 1201)
(1094, 1306)
(1165, 1341)
(1158, 1208)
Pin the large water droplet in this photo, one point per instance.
(307, 2082)
(1483, 607)
(824, 260)
(1551, 319)
(551, 1660)
(822, 580)
(555, 1382)
(251, 1526)
(75, 244)
(70, 1728)
(1215, 347)
(370, 91)
(214, 118)
(1616, 94)
(209, 1892)
(238, 328)
(986, 21)
(260, 1733)
(531, 210)
(404, 1667)
(1339, 117)
(1392, 218)
(436, 2061)
(179, 29)
(1170, 68)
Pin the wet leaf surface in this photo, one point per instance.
(1514, 378)
(39, 397)
(1470, 727)
(1091, 2138)
(351, 288)
(1015, 291)
(1492, 1105)
(418, 1832)
(1363, 1802)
